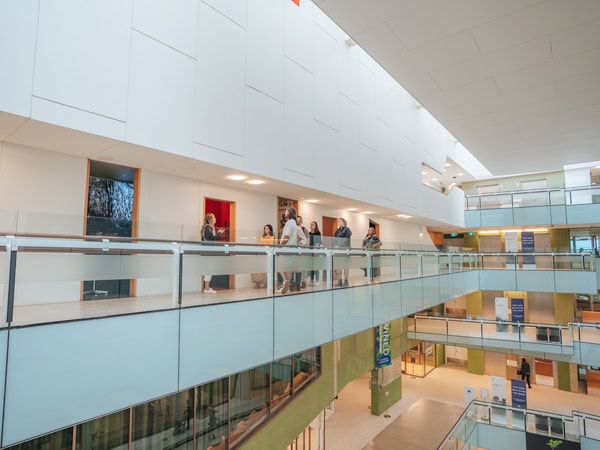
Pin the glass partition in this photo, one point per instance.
(108, 432)
(212, 414)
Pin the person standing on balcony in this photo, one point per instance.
(210, 233)
(525, 371)
(288, 237)
(341, 239)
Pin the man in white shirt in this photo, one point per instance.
(288, 237)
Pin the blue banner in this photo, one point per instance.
(517, 308)
(382, 343)
(518, 390)
(528, 246)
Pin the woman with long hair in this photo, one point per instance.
(210, 233)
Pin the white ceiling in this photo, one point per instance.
(517, 82)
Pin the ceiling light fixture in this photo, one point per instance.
(368, 212)
(351, 209)
(237, 177)
(255, 181)
(404, 216)
(312, 200)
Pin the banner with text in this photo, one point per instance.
(382, 343)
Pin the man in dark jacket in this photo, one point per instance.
(525, 371)
(341, 239)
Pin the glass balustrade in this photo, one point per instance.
(531, 198)
(467, 434)
(61, 278)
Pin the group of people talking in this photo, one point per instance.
(294, 233)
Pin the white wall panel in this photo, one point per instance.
(298, 123)
(89, 368)
(18, 21)
(58, 191)
(171, 22)
(161, 200)
(384, 94)
(77, 119)
(366, 103)
(264, 52)
(326, 78)
(327, 157)
(82, 55)
(220, 88)
(348, 70)
(349, 158)
(299, 34)
(384, 179)
(160, 107)
(235, 10)
(264, 134)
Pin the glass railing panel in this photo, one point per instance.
(464, 328)
(430, 265)
(526, 199)
(497, 261)
(473, 202)
(388, 266)
(4, 265)
(410, 266)
(52, 285)
(428, 325)
(572, 261)
(588, 333)
(444, 263)
(557, 197)
(222, 273)
(499, 200)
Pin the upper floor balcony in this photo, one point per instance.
(98, 324)
(553, 206)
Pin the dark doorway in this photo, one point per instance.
(328, 231)
(110, 212)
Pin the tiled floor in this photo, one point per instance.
(352, 427)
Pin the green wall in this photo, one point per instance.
(357, 356)
(476, 361)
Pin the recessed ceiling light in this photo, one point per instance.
(459, 174)
(368, 212)
(404, 216)
(423, 173)
(255, 181)
(312, 200)
(237, 177)
(447, 165)
(434, 179)
(351, 209)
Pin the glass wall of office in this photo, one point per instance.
(215, 415)
(419, 359)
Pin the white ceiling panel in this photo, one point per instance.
(511, 76)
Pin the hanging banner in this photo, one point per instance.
(517, 309)
(528, 246)
(518, 393)
(382, 344)
(501, 313)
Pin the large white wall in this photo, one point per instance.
(232, 83)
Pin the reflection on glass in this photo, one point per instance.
(164, 420)
(212, 413)
(250, 392)
(281, 376)
(60, 440)
(105, 433)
